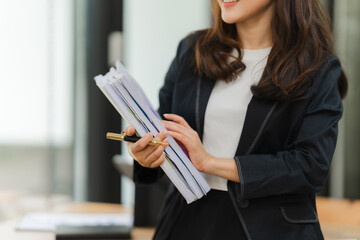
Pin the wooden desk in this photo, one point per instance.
(7, 228)
(339, 218)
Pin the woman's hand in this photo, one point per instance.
(147, 155)
(186, 136)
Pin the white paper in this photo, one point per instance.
(130, 101)
(49, 221)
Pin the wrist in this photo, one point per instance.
(209, 165)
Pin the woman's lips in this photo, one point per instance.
(229, 3)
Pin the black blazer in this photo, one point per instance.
(284, 153)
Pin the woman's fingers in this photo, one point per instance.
(158, 162)
(157, 154)
(148, 155)
(175, 127)
(157, 157)
(185, 140)
(161, 135)
(129, 130)
(184, 133)
(142, 142)
(176, 118)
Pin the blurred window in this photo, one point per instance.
(36, 97)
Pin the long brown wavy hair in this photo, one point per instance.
(302, 39)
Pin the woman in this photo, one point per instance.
(255, 101)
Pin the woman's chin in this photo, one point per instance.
(230, 19)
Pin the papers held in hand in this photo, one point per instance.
(131, 102)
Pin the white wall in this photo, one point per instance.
(344, 175)
(152, 31)
(36, 71)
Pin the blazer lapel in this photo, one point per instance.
(203, 91)
(258, 113)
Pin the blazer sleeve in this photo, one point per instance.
(304, 165)
(150, 175)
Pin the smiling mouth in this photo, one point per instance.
(229, 1)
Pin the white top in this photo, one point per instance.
(226, 110)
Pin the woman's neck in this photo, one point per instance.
(255, 33)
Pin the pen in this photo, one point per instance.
(123, 137)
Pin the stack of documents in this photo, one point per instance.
(130, 101)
